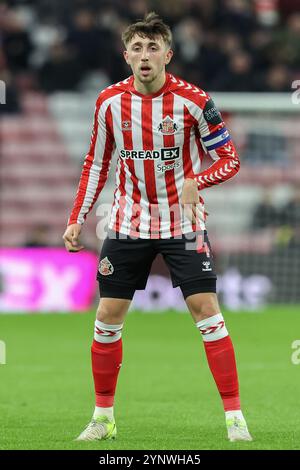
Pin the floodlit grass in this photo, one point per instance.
(166, 397)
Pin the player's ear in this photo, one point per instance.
(169, 56)
(125, 54)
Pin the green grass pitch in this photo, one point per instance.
(166, 397)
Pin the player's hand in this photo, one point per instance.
(190, 201)
(71, 238)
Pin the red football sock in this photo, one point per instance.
(221, 360)
(106, 363)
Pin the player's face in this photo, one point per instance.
(147, 57)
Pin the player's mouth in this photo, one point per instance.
(145, 70)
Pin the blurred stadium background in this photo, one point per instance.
(55, 57)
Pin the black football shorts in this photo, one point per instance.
(125, 264)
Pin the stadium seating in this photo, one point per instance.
(38, 178)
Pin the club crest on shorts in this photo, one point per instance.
(105, 267)
(167, 126)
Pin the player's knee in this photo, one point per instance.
(203, 306)
(102, 313)
(206, 310)
(112, 311)
(108, 316)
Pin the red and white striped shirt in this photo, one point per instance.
(159, 140)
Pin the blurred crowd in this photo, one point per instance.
(284, 220)
(221, 45)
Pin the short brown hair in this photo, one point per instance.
(151, 27)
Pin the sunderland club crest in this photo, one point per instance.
(105, 267)
(167, 126)
(126, 125)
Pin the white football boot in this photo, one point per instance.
(237, 429)
(99, 429)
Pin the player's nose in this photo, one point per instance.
(145, 55)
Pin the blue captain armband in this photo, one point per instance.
(216, 139)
